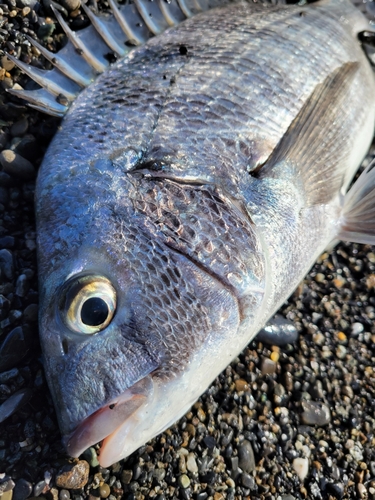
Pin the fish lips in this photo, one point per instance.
(111, 423)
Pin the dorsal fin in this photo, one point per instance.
(86, 53)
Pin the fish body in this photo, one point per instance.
(189, 190)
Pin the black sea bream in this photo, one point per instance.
(189, 190)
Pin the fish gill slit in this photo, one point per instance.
(231, 289)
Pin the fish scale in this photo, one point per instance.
(190, 188)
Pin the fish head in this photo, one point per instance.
(133, 328)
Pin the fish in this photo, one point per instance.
(189, 189)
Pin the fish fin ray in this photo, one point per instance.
(357, 223)
(312, 136)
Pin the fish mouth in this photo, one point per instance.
(111, 423)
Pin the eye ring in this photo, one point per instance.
(88, 304)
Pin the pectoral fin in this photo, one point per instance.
(357, 223)
(316, 145)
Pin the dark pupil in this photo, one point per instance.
(94, 311)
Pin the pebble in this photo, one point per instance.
(22, 285)
(126, 476)
(184, 481)
(64, 495)
(7, 64)
(15, 165)
(19, 128)
(104, 490)
(301, 467)
(241, 385)
(22, 489)
(278, 331)
(7, 495)
(14, 403)
(91, 456)
(70, 5)
(14, 348)
(73, 476)
(6, 264)
(191, 464)
(246, 459)
(248, 481)
(357, 328)
(268, 367)
(315, 413)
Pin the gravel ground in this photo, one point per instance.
(286, 423)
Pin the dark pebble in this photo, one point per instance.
(210, 442)
(202, 496)
(246, 460)
(6, 376)
(14, 403)
(6, 264)
(15, 165)
(336, 489)
(6, 241)
(22, 490)
(14, 348)
(248, 481)
(278, 331)
(19, 128)
(4, 198)
(28, 148)
(22, 285)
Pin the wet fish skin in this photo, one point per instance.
(177, 191)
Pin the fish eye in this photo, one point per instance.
(88, 304)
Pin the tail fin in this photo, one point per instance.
(358, 217)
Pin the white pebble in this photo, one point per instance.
(301, 467)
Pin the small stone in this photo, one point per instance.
(7, 64)
(6, 264)
(22, 489)
(190, 429)
(31, 313)
(159, 475)
(126, 476)
(275, 356)
(91, 456)
(15, 165)
(301, 467)
(341, 337)
(337, 489)
(278, 331)
(357, 328)
(70, 5)
(14, 403)
(268, 367)
(241, 385)
(73, 476)
(7, 495)
(247, 481)
(64, 495)
(191, 464)
(184, 481)
(319, 278)
(22, 285)
(6, 241)
(315, 413)
(362, 491)
(246, 459)
(19, 128)
(14, 348)
(104, 490)
(6, 376)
